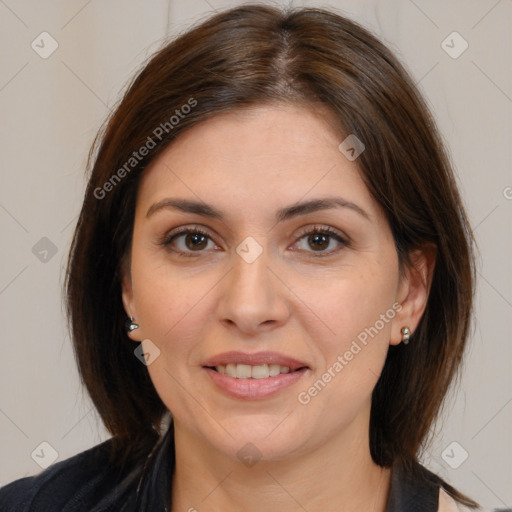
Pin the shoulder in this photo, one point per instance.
(448, 504)
(81, 482)
(415, 487)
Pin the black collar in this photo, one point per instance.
(417, 491)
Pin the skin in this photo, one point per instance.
(249, 164)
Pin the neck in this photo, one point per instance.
(339, 474)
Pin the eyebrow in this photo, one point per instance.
(287, 213)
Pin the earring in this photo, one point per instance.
(130, 325)
(406, 334)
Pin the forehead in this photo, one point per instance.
(266, 155)
(299, 128)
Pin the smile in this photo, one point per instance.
(246, 371)
(253, 376)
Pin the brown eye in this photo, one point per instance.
(319, 241)
(196, 241)
(187, 241)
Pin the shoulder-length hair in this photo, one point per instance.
(249, 56)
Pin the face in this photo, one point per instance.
(257, 278)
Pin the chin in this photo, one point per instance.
(264, 437)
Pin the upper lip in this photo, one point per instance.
(255, 359)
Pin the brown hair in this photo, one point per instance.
(248, 56)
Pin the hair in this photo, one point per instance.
(250, 56)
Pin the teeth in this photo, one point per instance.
(261, 371)
(246, 371)
(274, 369)
(243, 371)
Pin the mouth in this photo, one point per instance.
(246, 371)
(258, 365)
(254, 376)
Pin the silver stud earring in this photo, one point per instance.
(406, 334)
(130, 325)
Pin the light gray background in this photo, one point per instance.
(51, 109)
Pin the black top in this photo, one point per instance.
(85, 483)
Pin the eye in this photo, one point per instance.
(187, 241)
(320, 238)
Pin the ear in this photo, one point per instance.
(413, 291)
(127, 296)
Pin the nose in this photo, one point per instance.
(253, 297)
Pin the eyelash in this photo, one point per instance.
(324, 230)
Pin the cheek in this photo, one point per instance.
(163, 295)
(352, 304)
(173, 316)
(353, 338)
(173, 308)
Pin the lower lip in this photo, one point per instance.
(254, 389)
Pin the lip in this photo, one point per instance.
(254, 389)
(255, 359)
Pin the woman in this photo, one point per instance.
(272, 219)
